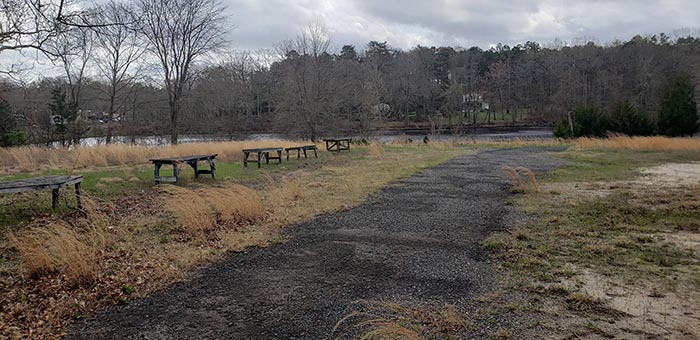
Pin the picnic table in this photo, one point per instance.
(301, 148)
(261, 152)
(337, 144)
(189, 160)
(53, 183)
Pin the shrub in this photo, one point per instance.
(679, 112)
(590, 122)
(628, 120)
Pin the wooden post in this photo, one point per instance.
(54, 198)
(79, 195)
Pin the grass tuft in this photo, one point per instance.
(56, 247)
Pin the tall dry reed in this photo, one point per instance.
(656, 143)
(234, 204)
(56, 247)
(33, 158)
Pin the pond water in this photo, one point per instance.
(490, 133)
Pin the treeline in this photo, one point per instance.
(304, 87)
(677, 116)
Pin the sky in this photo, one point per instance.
(405, 24)
(261, 24)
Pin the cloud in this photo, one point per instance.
(457, 22)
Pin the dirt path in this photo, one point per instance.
(418, 240)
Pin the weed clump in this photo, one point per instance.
(56, 247)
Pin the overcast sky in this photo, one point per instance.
(466, 23)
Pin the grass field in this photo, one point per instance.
(135, 238)
(616, 241)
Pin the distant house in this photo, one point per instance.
(473, 102)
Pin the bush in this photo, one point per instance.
(588, 122)
(679, 112)
(628, 120)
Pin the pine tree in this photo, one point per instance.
(679, 112)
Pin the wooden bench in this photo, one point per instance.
(53, 183)
(261, 152)
(303, 148)
(337, 144)
(176, 161)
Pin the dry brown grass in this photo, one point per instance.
(375, 150)
(515, 175)
(56, 247)
(33, 158)
(190, 211)
(234, 204)
(656, 143)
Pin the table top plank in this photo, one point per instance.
(337, 139)
(38, 183)
(313, 146)
(262, 149)
(183, 159)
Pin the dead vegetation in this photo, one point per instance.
(394, 321)
(655, 143)
(519, 177)
(33, 158)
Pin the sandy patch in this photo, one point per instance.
(671, 175)
(653, 311)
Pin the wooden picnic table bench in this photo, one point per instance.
(53, 183)
(303, 148)
(261, 152)
(337, 144)
(190, 160)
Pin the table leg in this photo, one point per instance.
(195, 166)
(305, 157)
(267, 158)
(279, 155)
(54, 198)
(79, 195)
(315, 153)
(287, 151)
(156, 172)
(245, 159)
(212, 166)
(298, 153)
(176, 171)
(259, 160)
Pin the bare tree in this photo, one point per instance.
(306, 86)
(179, 32)
(30, 24)
(118, 49)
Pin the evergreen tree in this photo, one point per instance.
(679, 111)
(62, 113)
(627, 119)
(9, 134)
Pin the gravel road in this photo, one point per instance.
(418, 239)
